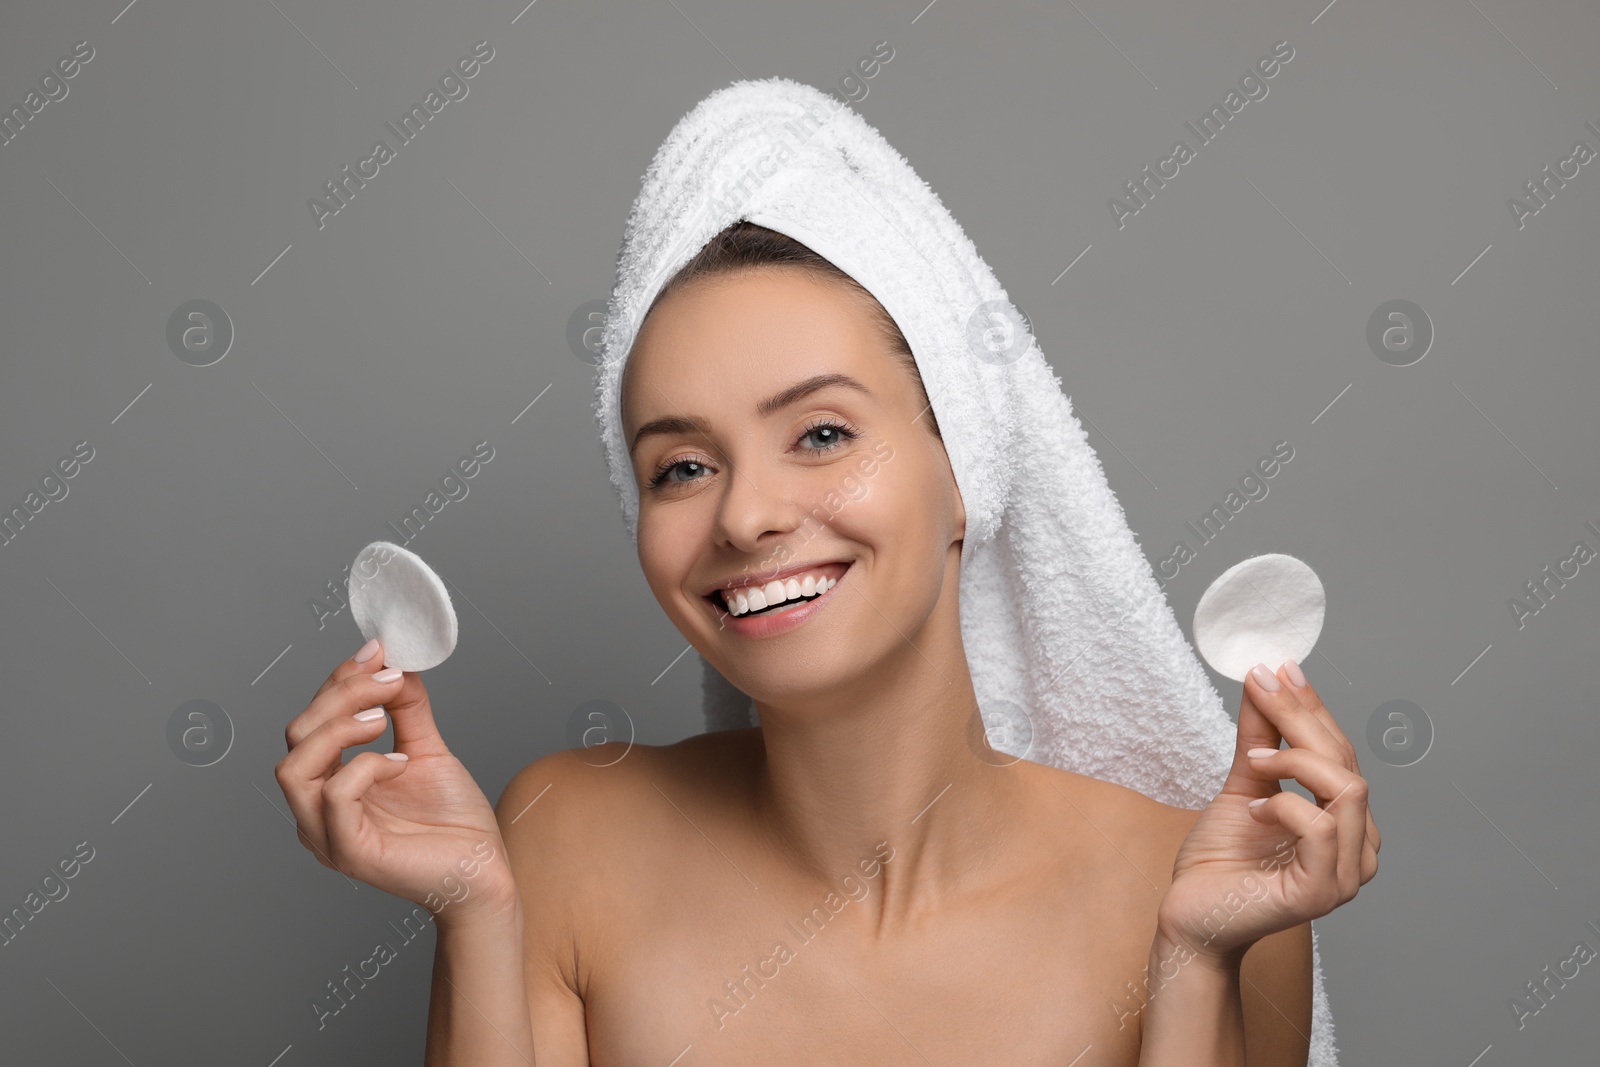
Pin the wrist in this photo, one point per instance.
(1169, 949)
(501, 909)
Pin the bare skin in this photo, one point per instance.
(1019, 959)
(961, 911)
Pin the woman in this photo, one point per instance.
(857, 879)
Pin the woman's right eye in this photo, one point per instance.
(666, 469)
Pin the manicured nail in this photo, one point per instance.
(1258, 801)
(367, 651)
(398, 756)
(393, 674)
(1264, 677)
(1296, 677)
(377, 713)
(1258, 753)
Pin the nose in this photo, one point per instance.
(756, 501)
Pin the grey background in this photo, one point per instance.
(1229, 314)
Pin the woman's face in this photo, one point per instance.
(750, 471)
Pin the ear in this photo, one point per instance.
(961, 511)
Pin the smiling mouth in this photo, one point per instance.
(725, 610)
(778, 609)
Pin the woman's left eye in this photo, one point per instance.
(840, 432)
(832, 433)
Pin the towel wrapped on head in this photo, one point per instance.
(1061, 614)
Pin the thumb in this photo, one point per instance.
(415, 732)
(1255, 731)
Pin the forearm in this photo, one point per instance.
(478, 1013)
(1195, 1018)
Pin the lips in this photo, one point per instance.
(787, 617)
(834, 570)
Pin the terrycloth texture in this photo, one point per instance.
(397, 598)
(1264, 609)
(1060, 610)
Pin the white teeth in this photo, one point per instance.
(756, 597)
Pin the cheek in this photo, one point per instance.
(659, 555)
(902, 501)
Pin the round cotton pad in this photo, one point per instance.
(397, 598)
(1264, 609)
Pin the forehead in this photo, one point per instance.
(734, 338)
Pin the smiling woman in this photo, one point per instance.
(760, 372)
(758, 383)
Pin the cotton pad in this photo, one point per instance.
(398, 599)
(1264, 609)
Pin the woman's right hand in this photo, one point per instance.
(418, 826)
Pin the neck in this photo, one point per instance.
(891, 759)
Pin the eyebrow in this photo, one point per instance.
(793, 394)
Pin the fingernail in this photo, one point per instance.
(1256, 752)
(400, 756)
(377, 713)
(1296, 677)
(1258, 801)
(393, 675)
(1265, 678)
(367, 651)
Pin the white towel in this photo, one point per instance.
(1060, 611)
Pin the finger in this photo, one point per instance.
(1342, 796)
(1293, 676)
(415, 732)
(304, 771)
(1316, 843)
(1283, 709)
(374, 652)
(356, 691)
(342, 800)
(1293, 680)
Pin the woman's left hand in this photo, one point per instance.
(1245, 872)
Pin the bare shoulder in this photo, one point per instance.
(1146, 830)
(1276, 972)
(581, 825)
(586, 814)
